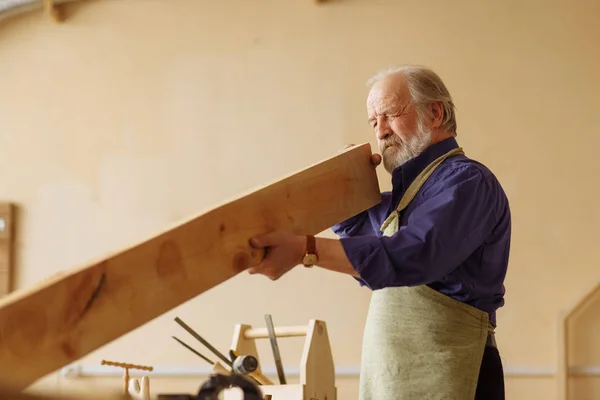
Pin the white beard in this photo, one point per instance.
(394, 152)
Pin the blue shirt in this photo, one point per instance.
(454, 236)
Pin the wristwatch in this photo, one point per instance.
(310, 256)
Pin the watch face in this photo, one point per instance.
(310, 259)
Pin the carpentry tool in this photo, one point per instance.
(204, 342)
(216, 384)
(126, 367)
(275, 347)
(316, 371)
(244, 365)
(217, 366)
(248, 365)
(211, 362)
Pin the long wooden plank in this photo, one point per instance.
(67, 317)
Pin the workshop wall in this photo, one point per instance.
(132, 115)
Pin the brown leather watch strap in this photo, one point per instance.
(311, 247)
(310, 254)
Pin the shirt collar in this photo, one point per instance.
(403, 176)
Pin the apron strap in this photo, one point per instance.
(416, 185)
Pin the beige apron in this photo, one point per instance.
(418, 343)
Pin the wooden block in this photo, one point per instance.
(6, 221)
(6, 247)
(68, 316)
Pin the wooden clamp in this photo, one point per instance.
(63, 319)
(143, 390)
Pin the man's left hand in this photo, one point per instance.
(284, 251)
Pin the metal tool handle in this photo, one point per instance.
(275, 346)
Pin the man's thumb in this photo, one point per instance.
(256, 242)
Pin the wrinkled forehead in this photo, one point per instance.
(387, 93)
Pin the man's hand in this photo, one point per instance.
(284, 251)
(375, 158)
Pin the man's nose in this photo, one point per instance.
(383, 129)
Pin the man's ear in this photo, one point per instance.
(437, 114)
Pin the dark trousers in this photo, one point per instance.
(491, 376)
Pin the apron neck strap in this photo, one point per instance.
(416, 185)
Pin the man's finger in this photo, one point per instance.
(375, 159)
(265, 240)
(261, 241)
(263, 271)
(257, 269)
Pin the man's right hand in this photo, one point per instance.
(375, 158)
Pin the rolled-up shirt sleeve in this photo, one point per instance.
(354, 226)
(451, 220)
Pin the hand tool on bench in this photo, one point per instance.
(243, 366)
(217, 366)
(275, 347)
(248, 365)
(187, 346)
(204, 342)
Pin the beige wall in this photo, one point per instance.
(135, 114)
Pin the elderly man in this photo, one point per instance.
(434, 251)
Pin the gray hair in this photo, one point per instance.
(425, 87)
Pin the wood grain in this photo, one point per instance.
(68, 316)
